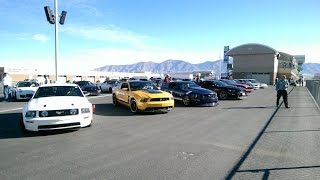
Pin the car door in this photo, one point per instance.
(122, 93)
(177, 91)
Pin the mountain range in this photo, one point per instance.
(183, 66)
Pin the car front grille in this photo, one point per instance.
(63, 112)
(58, 126)
(159, 99)
(209, 96)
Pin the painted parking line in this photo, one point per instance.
(100, 96)
(93, 97)
(8, 110)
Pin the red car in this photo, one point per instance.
(233, 83)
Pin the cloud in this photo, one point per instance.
(110, 33)
(40, 37)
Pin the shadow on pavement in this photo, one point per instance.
(293, 131)
(120, 110)
(252, 107)
(10, 127)
(266, 172)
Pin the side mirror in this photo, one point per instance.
(32, 85)
(124, 89)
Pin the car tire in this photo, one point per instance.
(110, 90)
(114, 100)
(223, 95)
(133, 106)
(186, 100)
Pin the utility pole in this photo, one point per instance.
(52, 18)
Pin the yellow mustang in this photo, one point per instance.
(142, 96)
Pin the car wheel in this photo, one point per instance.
(133, 106)
(114, 100)
(110, 90)
(186, 100)
(223, 95)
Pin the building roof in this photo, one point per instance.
(251, 48)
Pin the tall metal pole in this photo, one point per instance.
(56, 15)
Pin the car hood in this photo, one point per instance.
(27, 88)
(234, 88)
(88, 86)
(200, 90)
(152, 93)
(59, 102)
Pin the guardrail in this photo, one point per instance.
(314, 88)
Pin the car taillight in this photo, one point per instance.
(93, 108)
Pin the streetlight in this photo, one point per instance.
(53, 19)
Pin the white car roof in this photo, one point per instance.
(58, 84)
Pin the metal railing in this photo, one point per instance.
(314, 88)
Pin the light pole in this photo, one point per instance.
(53, 19)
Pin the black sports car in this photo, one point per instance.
(89, 88)
(224, 90)
(190, 93)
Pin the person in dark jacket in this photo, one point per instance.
(281, 88)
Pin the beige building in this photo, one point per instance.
(20, 74)
(262, 63)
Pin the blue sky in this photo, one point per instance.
(102, 32)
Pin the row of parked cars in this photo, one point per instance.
(62, 106)
(147, 96)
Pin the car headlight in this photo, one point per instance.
(85, 110)
(30, 114)
(171, 98)
(44, 113)
(19, 90)
(144, 99)
(74, 111)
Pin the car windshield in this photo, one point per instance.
(50, 91)
(228, 82)
(141, 85)
(220, 84)
(24, 84)
(253, 81)
(111, 82)
(187, 85)
(85, 83)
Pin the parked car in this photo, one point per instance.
(255, 83)
(142, 96)
(246, 87)
(24, 90)
(57, 107)
(107, 86)
(224, 90)
(191, 94)
(89, 88)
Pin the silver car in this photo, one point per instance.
(108, 85)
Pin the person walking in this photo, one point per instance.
(46, 79)
(281, 88)
(7, 83)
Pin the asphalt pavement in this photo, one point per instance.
(238, 139)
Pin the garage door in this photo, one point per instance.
(262, 77)
(77, 78)
(62, 79)
(90, 78)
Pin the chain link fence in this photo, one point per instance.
(314, 88)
